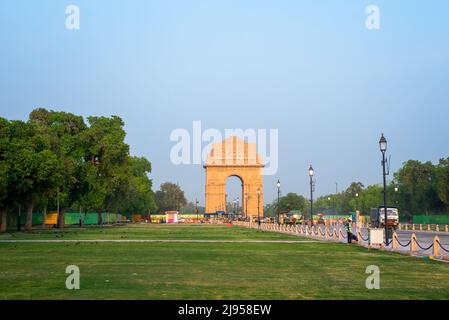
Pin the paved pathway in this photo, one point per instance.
(153, 241)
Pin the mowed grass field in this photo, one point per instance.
(301, 270)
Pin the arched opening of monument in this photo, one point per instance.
(234, 195)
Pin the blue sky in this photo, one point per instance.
(308, 68)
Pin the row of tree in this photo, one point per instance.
(416, 188)
(56, 159)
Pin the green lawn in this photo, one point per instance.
(315, 270)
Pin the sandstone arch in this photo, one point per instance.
(234, 157)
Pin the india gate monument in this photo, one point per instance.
(238, 158)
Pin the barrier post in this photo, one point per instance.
(394, 243)
(400, 226)
(428, 227)
(413, 243)
(413, 227)
(420, 227)
(437, 228)
(447, 228)
(436, 246)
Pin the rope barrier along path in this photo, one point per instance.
(403, 245)
(442, 248)
(417, 243)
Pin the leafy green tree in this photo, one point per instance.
(34, 167)
(442, 172)
(190, 208)
(170, 197)
(63, 132)
(4, 171)
(349, 197)
(370, 197)
(418, 183)
(326, 202)
(270, 209)
(106, 156)
(133, 193)
(292, 201)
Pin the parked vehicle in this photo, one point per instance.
(378, 217)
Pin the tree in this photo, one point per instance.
(106, 156)
(292, 201)
(349, 197)
(326, 202)
(133, 193)
(371, 197)
(170, 197)
(34, 167)
(270, 209)
(190, 208)
(4, 171)
(418, 183)
(63, 132)
(442, 173)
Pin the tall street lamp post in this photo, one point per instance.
(258, 207)
(383, 149)
(246, 206)
(238, 205)
(196, 209)
(336, 197)
(396, 189)
(357, 213)
(279, 193)
(311, 194)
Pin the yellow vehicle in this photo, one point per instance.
(51, 218)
